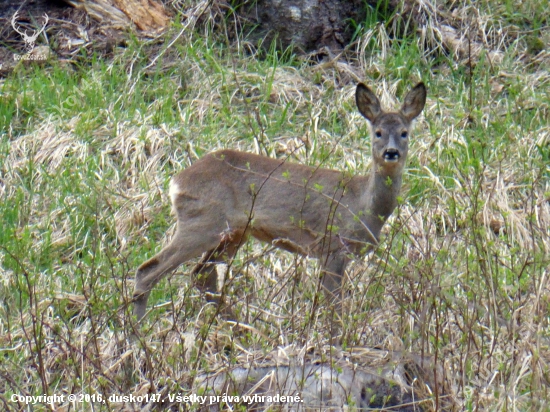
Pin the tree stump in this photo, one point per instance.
(311, 25)
(305, 24)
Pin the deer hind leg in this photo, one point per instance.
(205, 275)
(184, 246)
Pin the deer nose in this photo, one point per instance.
(391, 154)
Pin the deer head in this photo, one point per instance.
(29, 40)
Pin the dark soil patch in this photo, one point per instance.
(69, 31)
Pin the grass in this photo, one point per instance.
(87, 151)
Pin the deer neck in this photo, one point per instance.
(380, 195)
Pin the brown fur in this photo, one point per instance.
(228, 195)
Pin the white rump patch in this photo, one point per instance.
(174, 191)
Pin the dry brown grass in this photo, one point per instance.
(461, 276)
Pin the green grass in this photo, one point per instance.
(87, 151)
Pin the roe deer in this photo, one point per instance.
(228, 195)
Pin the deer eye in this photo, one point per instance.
(378, 134)
(404, 135)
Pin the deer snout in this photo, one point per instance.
(391, 154)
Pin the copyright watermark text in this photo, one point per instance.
(30, 57)
(52, 400)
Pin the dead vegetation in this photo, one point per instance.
(461, 278)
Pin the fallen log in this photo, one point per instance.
(148, 16)
(361, 378)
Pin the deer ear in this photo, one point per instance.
(367, 102)
(414, 101)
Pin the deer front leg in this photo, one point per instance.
(331, 280)
(333, 274)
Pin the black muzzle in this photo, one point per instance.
(391, 155)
